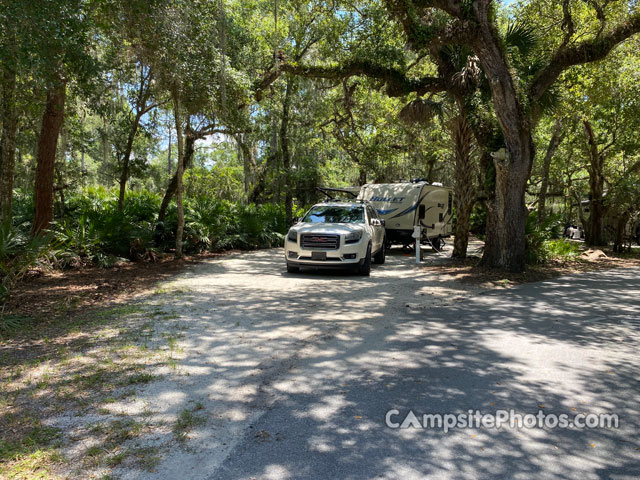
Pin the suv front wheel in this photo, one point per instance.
(382, 253)
(365, 268)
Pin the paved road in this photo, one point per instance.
(300, 370)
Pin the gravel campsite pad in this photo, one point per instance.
(181, 379)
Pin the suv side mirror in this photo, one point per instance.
(422, 212)
(295, 220)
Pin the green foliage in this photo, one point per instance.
(19, 253)
(95, 230)
(94, 227)
(540, 236)
(221, 225)
(478, 221)
(562, 248)
(522, 36)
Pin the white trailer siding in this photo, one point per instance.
(399, 205)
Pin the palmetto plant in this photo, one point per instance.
(94, 231)
(19, 253)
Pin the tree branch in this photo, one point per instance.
(567, 23)
(425, 29)
(397, 83)
(585, 52)
(452, 7)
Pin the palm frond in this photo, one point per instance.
(549, 101)
(522, 36)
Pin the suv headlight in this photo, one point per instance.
(353, 237)
(292, 236)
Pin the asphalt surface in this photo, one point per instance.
(567, 346)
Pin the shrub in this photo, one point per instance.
(94, 230)
(539, 237)
(562, 249)
(478, 221)
(93, 224)
(19, 252)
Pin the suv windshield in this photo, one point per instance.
(329, 214)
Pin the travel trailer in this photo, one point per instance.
(405, 205)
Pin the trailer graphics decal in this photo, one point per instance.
(387, 199)
(412, 208)
(386, 212)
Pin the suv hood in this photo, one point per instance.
(334, 228)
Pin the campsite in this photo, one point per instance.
(310, 239)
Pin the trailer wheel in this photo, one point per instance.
(365, 268)
(382, 253)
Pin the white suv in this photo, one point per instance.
(336, 235)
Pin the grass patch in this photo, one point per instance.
(146, 458)
(187, 421)
(118, 431)
(72, 366)
(112, 435)
(116, 459)
(562, 249)
(140, 378)
(31, 456)
(11, 323)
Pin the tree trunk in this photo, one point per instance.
(126, 159)
(506, 220)
(8, 141)
(179, 171)
(45, 160)
(261, 178)
(169, 166)
(189, 149)
(619, 233)
(594, 230)
(554, 143)
(248, 163)
(124, 175)
(284, 149)
(465, 192)
(60, 189)
(506, 210)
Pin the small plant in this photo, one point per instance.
(537, 235)
(562, 249)
(187, 420)
(140, 378)
(19, 253)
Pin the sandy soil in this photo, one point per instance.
(212, 341)
(235, 324)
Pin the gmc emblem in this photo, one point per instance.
(319, 239)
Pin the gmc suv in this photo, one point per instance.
(336, 235)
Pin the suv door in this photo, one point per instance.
(376, 227)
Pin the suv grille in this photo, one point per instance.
(324, 242)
